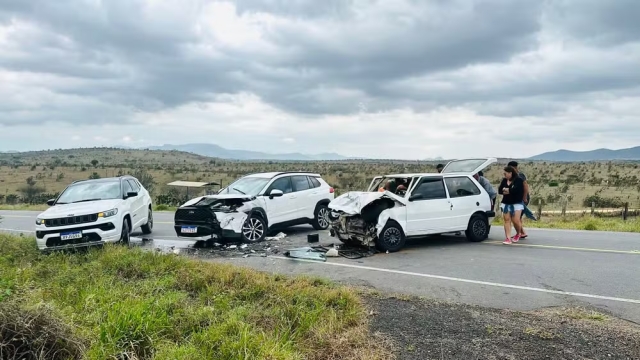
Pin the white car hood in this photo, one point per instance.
(78, 209)
(219, 196)
(353, 202)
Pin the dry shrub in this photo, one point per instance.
(35, 334)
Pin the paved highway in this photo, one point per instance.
(550, 268)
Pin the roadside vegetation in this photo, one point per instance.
(121, 303)
(579, 222)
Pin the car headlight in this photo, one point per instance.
(39, 221)
(108, 213)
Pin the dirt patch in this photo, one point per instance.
(423, 329)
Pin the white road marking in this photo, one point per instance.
(16, 230)
(469, 281)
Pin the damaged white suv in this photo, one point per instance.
(255, 204)
(427, 204)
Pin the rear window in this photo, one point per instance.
(314, 182)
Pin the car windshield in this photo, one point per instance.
(246, 186)
(90, 191)
(380, 183)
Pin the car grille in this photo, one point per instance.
(103, 227)
(191, 215)
(71, 220)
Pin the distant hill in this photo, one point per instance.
(216, 151)
(592, 155)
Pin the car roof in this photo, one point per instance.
(270, 175)
(108, 179)
(423, 174)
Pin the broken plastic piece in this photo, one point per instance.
(332, 253)
(306, 253)
(280, 236)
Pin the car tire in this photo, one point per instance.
(125, 236)
(478, 229)
(254, 229)
(148, 227)
(321, 218)
(391, 238)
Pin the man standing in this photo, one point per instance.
(526, 197)
(487, 187)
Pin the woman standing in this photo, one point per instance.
(512, 190)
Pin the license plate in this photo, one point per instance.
(189, 229)
(71, 235)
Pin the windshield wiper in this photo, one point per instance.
(240, 191)
(87, 200)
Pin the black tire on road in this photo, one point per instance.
(478, 229)
(254, 229)
(148, 227)
(391, 238)
(321, 218)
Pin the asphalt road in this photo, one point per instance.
(549, 268)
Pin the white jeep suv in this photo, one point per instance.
(256, 204)
(92, 212)
(426, 204)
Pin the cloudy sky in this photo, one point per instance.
(393, 78)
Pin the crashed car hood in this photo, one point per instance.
(225, 196)
(354, 201)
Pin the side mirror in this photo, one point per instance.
(275, 193)
(415, 197)
(131, 194)
(51, 202)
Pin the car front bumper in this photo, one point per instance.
(97, 233)
(219, 224)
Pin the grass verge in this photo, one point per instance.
(580, 222)
(116, 303)
(27, 207)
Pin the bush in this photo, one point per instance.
(602, 202)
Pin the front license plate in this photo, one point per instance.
(71, 235)
(189, 229)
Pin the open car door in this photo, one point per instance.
(468, 166)
(374, 182)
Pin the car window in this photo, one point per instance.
(461, 186)
(431, 189)
(314, 182)
(91, 190)
(127, 187)
(134, 185)
(300, 183)
(283, 184)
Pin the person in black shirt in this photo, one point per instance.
(512, 190)
(525, 197)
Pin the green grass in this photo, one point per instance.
(118, 302)
(586, 222)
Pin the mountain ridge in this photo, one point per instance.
(602, 154)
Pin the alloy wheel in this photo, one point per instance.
(253, 229)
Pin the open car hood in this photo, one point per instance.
(353, 202)
(222, 197)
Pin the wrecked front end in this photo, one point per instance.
(359, 217)
(212, 216)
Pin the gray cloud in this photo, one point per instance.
(108, 61)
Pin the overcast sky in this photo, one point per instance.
(402, 79)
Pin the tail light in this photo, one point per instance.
(331, 191)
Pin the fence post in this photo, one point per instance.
(625, 212)
(539, 208)
(593, 208)
(564, 206)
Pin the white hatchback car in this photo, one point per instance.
(93, 212)
(452, 201)
(255, 204)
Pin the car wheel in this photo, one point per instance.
(125, 236)
(478, 229)
(148, 227)
(391, 238)
(321, 218)
(254, 229)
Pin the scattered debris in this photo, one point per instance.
(333, 252)
(280, 236)
(307, 253)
